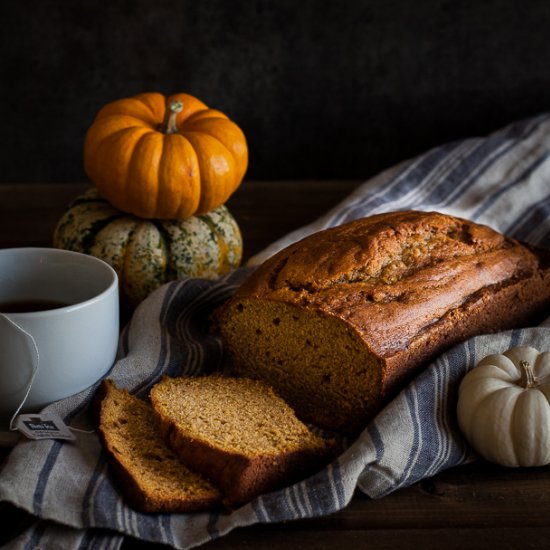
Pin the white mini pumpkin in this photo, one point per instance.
(504, 407)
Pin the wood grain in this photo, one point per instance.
(264, 210)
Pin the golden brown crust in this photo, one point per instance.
(134, 471)
(408, 284)
(242, 478)
(244, 473)
(391, 275)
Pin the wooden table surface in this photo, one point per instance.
(475, 506)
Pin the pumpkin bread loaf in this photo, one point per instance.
(151, 476)
(341, 320)
(238, 433)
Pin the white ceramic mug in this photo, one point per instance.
(54, 352)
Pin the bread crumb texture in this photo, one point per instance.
(150, 474)
(339, 321)
(238, 432)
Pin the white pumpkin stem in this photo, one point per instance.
(528, 379)
(169, 125)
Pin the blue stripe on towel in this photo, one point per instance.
(142, 389)
(530, 221)
(456, 172)
(299, 502)
(376, 439)
(399, 185)
(415, 428)
(37, 533)
(527, 173)
(46, 470)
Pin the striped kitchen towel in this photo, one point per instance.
(502, 180)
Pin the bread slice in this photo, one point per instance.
(339, 322)
(238, 433)
(149, 474)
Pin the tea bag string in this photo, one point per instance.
(36, 364)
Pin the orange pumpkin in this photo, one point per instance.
(164, 157)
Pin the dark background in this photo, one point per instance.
(322, 89)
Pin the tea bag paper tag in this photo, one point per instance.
(43, 426)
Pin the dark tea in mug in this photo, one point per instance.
(59, 326)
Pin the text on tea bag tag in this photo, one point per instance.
(43, 426)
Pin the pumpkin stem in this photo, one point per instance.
(528, 379)
(169, 124)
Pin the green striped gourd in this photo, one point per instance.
(148, 253)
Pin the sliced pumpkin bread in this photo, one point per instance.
(238, 433)
(149, 474)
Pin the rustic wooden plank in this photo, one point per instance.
(264, 210)
(476, 495)
(403, 539)
(481, 504)
(479, 496)
(29, 212)
(475, 506)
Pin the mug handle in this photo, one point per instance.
(36, 363)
